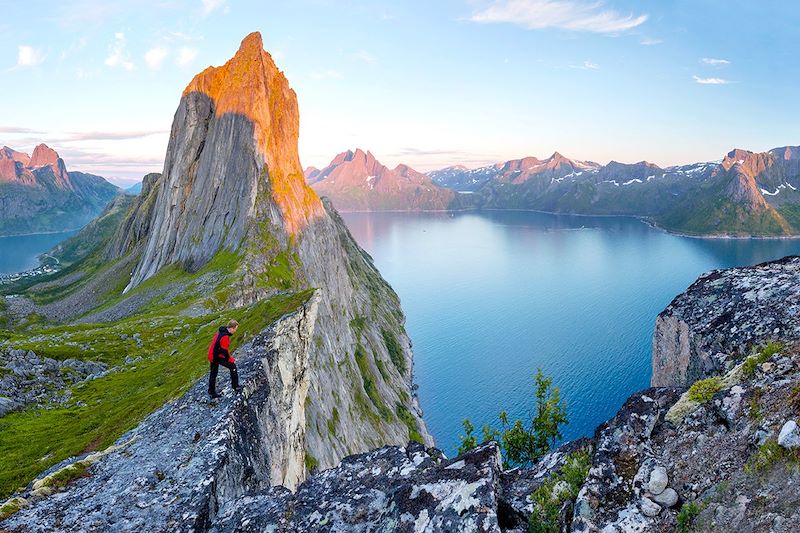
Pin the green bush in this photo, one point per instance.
(704, 390)
(688, 516)
(561, 487)
(524, 443)
(763, 355)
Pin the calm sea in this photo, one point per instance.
(489, 297)
(21, 252)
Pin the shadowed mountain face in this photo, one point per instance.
(356, 181)
(37, 194)
(744, 194)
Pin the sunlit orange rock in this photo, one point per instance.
(250, 84)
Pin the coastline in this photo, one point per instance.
(41, 233)
(645, 220)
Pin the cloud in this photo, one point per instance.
(117, 55)
(325, 75)
(366, 57)
(29, 56)
(185, 56)
(155, 56)
(648, 41)
(211, 5)
(563, 14)
(15, 129)
(710, 81)
(587, 65)
(715, 62)
(109, 135)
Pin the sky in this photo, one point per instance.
(428, 83)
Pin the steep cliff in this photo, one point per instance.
(233, 181)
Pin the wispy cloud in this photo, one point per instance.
(366, 57)
(649, 41)
(15, 129)
(714, 62)
(185, 56)
(325, 75)
(117, 53)
(710, 81)
(209, 6)
(110, 135)
(587, 65)
(28, 56)
(155, 57)
(563, 14)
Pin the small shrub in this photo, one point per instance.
(523, 444)
(762, 356)
(688, 516)
(764, 458)
(312, 464)
(704, 390)
(561, 487)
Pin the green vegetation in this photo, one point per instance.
(394, 349)
(687, 517)
(408, 419)
(62, 478)
(525, 444)
(559, 488)
(312, 464)
(333, 422)
(368, 379)
(704, 390)
(768, 455)
(763, 355)
(103, 409)
(11, 506)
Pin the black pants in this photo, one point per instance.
(212, 379)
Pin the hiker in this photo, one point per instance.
(218, 354)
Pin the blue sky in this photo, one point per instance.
(428, 83)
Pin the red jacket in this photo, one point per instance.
(220, 346)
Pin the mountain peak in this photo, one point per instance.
(43, 155)
(250, 85)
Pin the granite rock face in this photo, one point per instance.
(723, 316)
(233, 183)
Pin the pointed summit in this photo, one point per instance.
(232, 169)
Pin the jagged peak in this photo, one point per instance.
(44, 155)
(251, 85)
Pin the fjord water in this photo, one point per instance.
(21, 252)
(491, 296)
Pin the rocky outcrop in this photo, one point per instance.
(231, 168)
(722, 316)
(136, 225)
(356, 181)
(37, 194)
(191, 457)
(29, 380)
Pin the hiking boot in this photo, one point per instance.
(214, 395)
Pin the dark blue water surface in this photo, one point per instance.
(21, 252)
(491, 296)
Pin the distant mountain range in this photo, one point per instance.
(136, 188)
(38, 194)
(744, 194)
(356, 181)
